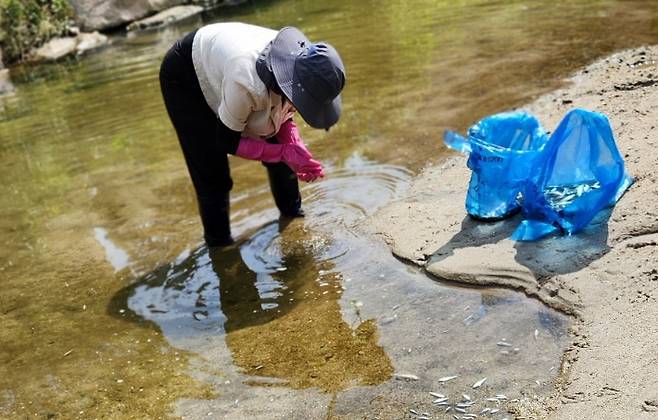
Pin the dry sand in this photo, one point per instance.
(606, 276)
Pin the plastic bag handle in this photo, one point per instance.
(456, 141)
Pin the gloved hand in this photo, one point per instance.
(289, 134)
(297, 157)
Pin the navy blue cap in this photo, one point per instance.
(310, 75)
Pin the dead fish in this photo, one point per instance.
(406, 376)
(501, 397)
(461, 410)
(479, 383)
(442, 403)
(503, 344)
(448, 378)
(485, 411)
(536, 334)
(448, 409)
(440, 400)
(493, 399)
(455, 417)
(412, 411)
(466, 397)
(495, 410)
(437, 395)
(423, 418)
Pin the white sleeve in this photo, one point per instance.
(236, 104)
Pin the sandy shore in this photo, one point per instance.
(606, 276)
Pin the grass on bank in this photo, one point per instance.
(25, 24)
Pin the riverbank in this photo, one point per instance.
(606, 276)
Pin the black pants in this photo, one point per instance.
(206, 141)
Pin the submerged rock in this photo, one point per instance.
(166, 17)
(57, 48)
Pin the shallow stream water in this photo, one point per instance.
(110, 305)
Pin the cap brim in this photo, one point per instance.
(316, 114)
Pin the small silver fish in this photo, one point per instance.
(437, 395)
(503, 344)
(466, 397)
(479, 383)
(448, 378)
(461, 410)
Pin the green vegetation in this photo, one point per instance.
(25, 24)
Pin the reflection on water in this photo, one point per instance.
(86, 143)
(310, 303)
(276, 295)
(115, 255)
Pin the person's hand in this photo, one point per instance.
(301, 162)
(289, 134)
(295, 155)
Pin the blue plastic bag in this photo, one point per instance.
(580, 172)
(503, 150)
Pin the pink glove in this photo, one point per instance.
(298, 158)
(289, 134)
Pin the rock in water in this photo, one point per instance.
(166, 17)
(89, 41)
(104, 14)
(56, 48)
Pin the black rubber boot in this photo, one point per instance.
(214, 213)
(285, 189)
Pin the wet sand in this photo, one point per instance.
(606, 276)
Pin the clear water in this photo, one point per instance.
(110, 307)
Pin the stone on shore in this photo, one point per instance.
(101, 14)
(57, 48)
(166, 17)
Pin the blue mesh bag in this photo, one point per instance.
(503, 150)
(580, 172)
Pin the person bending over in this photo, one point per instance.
(233, 88)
